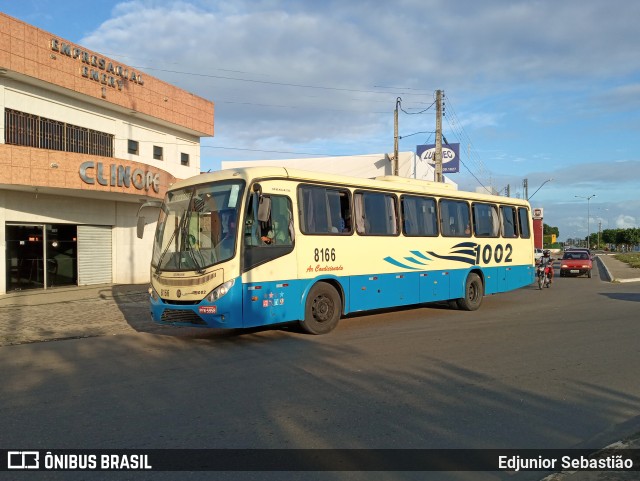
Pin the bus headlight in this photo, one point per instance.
(154, 295)
(220, 291)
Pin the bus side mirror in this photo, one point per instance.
(264, 209)
(153, 204)
(140, 227)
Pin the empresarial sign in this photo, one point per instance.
(450, 156)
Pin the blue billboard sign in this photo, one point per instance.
(450, 156)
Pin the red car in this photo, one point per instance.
(576, 263)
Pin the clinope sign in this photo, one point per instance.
(119, 176)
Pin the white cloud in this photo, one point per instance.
(523, 80)
(625, 221)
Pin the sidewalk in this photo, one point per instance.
(74, 312)
(616, 270)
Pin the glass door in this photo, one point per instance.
(24, 256)
(62, 255)
(41, 256)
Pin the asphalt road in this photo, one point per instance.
(531, 369)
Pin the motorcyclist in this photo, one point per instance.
(547, 261)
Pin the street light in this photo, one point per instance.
(588, 216)
(548, 180)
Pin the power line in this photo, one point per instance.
(460, 132)
(267, 82)
(294, 107)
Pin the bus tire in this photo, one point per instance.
(473, 293)
(323, 309)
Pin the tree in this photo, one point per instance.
(548, 230)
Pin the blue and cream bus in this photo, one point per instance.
(259, 246)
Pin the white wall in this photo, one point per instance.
(132, 256)
(52, 105)
(363, 166)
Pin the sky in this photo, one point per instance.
(533, 89)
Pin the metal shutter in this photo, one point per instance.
(94, 255)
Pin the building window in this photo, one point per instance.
(33, 131)
(133, 147)
(157, 152)
(77, 139)
(184, 159)
(52, 134)
(100, 143)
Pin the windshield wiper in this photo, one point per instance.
(166, 249)
(179, 228)
(188, 246)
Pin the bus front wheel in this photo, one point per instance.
(473, 293)
(322, 310)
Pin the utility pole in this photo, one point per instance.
(438, 156)
(395, 138)
(525, 188)
(508, 190)
(599, 229)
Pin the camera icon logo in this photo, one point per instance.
(23, 460)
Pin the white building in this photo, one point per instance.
(365, 166)
(83, 141)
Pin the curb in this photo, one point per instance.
(606, 269)
(610, 276)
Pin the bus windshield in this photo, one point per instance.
(197, 227)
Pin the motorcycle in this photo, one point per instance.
(544, 275)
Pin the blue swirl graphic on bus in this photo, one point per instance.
(412, 259)
(464, 252)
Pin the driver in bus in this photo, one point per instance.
(228, 240)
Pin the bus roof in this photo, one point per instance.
(387, 182)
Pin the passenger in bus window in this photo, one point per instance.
(281, 230)
(347, 222)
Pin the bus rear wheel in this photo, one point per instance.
(473, 293)
(322, 310)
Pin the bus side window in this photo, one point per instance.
(324, 210)
(281, 221)
(523, 222)
(419, 216)
(376, 213)
(277, 228)
(485, 220)
(509, 221)
(455, 218)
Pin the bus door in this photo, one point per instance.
(270, 290)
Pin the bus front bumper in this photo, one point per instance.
(225, 312)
